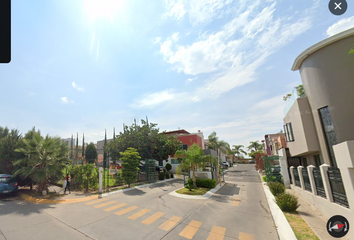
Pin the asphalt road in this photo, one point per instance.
(238, 210)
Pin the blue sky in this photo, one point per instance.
(221, 65)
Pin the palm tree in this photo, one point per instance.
(45, 158)
(238, 150)
(255, 146)
(217, 145)
(192, 159)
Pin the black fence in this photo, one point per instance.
(306, 178)
(319, 183)
(338, 191)
(297, 178)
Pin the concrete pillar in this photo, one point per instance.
(326, 184)
(100, 173)
(284, 167)
(312, 179)
(292, 175)
(344, 153)
(302, 183)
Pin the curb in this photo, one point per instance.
(285, 232)
(205, 196)
(31, 199)
(133, 188)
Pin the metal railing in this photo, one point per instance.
(306, 178)
(319, 183)
(297, 178)
(338, 191)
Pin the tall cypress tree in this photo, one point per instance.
(77, 148)
(83, 148)
(72, 149)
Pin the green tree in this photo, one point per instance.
(255, 146)
(91, 153)
(237, 149)
(217, 145)
(300, 91)
(130, 158)
(88, 176)
(146, 139)
(192, 159)
(44, 160)
(9, 141)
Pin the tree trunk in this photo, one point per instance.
(194, 180)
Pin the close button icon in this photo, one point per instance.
(338, 7)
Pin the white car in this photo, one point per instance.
(226, 164)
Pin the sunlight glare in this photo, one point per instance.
(102, 8)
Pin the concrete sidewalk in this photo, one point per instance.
(316, 221)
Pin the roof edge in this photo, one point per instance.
(299, 60)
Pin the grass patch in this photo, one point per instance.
(301, 229)
(196, 191)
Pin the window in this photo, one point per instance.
(174, 161)
(185, 147)
(288, 129)
(329, 133)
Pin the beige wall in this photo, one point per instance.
(327, 76)
(305, 137)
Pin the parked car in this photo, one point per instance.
(251, 161)
(227, 164)
(8, 184)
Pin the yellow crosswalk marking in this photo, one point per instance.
(153, 218)
(97, 201)
(236, 202)
(105, 204)
(191, 229)
(245, 236)
(217, 233)
(115, 207)
(170, 223)
(124, 211)
(139, 214)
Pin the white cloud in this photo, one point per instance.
(81, 89)
(340, 26)
(199, 11)
(64, 99)
(153, 99)
(175, 36)
(233, 55)
(157, 40)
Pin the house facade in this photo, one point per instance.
(319, 128)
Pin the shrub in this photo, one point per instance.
(167, 175)
(189, 184)
(287, 202)
(276, 188)
(172, 175)
(168, 167)
(162, 176)
(206, 183)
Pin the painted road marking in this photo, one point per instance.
(153, 218)
(217, 233)
(191, 229)
(124, 211)
(170, 223)
(245, 236)
(115, 207)
(105, 204)
(97, 201)
(235, 202)
(139, 214)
